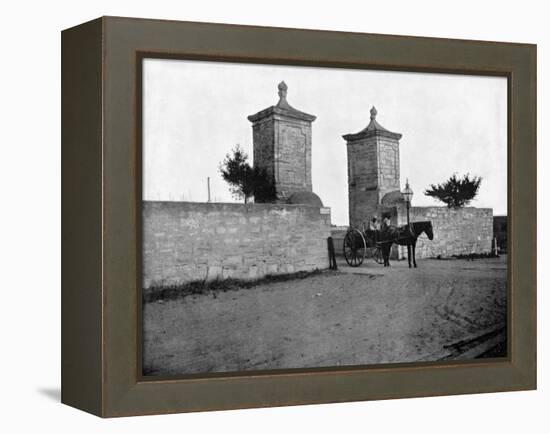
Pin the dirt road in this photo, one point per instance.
(359, 316)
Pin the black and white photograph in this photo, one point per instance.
(287, 217)
(303, 217)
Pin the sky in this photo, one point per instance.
(195, 112)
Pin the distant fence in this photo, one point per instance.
(189, 241)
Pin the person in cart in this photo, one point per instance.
(374, 229)
(386, 228)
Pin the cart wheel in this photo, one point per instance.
(377, 255)
(354, 248)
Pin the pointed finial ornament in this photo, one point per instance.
(373, 113)
(282, 90)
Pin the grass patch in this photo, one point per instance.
(201, 287)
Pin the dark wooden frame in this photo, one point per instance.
(101, 302)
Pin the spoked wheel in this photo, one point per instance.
(354, 248)
(376, 253)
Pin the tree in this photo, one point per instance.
(236, 171)
(456, 192)
(246, 181)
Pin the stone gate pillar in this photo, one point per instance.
(282, 145)
(373, 170)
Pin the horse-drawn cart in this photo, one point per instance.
(357, 243)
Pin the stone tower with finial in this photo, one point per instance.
(282, 145)
(373, 171)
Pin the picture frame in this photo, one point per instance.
(101, 216)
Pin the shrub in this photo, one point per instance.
(455, 192)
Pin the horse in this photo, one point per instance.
(404, 236)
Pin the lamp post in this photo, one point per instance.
(407, 195)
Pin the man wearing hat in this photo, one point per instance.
(385, 226)
(374, 228)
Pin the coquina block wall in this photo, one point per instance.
(282, 145)
(188, 241)
(373, 169)
(456, 231)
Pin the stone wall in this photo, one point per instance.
(373, 171)
(187, 241)
(263, 136)
(293, 156)
(363, 194)
(456, 232)
(388, 163)
(282, 146)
